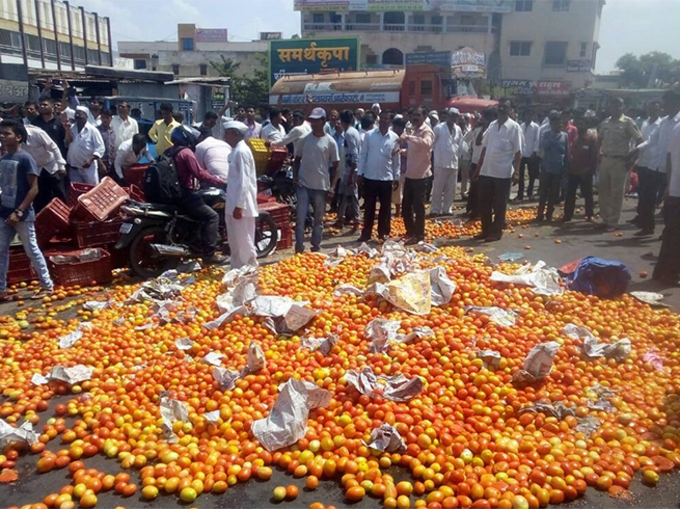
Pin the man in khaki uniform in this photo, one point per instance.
(616, 134)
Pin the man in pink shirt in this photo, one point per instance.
(418, 169)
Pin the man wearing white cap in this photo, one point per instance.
(376, 111)
(84, 149)
(241, 203)
(316, 153)
(447, 141)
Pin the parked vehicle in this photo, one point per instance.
(157, 237)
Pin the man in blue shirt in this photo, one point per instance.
(348, 211)
(19, 186)
(555, 149)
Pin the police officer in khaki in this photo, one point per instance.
(616, 137)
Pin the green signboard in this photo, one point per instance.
(311, 56)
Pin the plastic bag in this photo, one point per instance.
(607, 279)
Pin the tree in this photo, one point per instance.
(252, 89)
(654, 70)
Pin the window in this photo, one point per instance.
(419, 19)
(10, 39)
(32, 43)
(203, 69)
(393, 56)
(561, 5)
(93, 56)
(584, 50)
(363, 17)
(318, 17)
(426, 88)
(140, 63)
(437, 20)
(335, 18)
(79, 54)
(555, 53)
(50, 46)
(524, 5)
(520, 49)
(175, 69)
(187, 44)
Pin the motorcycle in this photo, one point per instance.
(280, 186)
(158, 237)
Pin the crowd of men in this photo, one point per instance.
(357, 159)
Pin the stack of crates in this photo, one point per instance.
(280, 213)
(260, 154)
(52, 221)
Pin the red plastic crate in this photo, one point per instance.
(101, 202)
(286, 240)
(20, 268)
(97, 233)
(52, 220)
(80, 273)
(135, 174)
(277, 156)
(76, 190)
(135, 193)
(261, 198)
(280, 212)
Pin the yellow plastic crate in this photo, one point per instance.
(261, 154)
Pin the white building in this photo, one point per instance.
(535, 40)
(194, 52)
(28, 35)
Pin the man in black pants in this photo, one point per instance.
(529, 162)
(498, 163)
(581, 170)
(379, 167)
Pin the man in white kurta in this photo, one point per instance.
(448, 139)
(241, 206)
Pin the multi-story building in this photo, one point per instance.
(533, 40)
(194, 52)
(53, 34)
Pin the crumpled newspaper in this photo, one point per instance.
(71, 376)
(412, 292)
(24, 434)
(284, 315)
(96, 305)
(174, 275)
(417, 332)
(588, 425)
(395, 388)
(386, 439)
(234, 275)
(544, 281)
(165, 308)
(424, 247)
(226, 318)
(442, 287)
(491, 358)
(244, 291)
(380, 331)
(323, 345)
(367, 250)
(287, 421)
(172, 411)
(499, 316)
(653, 357)
(159, 289)
(70, 339)
(558, 410)
(184, 344)
(511, 256)
(213, 358)
(255, 358)
(651, 298)
(255, 361)
(599, 400)
(347, 289)
(538, 363)
(226, 377)
(593, 349)
(212, 417)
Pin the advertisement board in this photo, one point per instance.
(270, 36)
(211, 35)
(405, 5)
(331, 97)
(311, 56)
(553, 88)
(442, 58)
(475, 5)
(584, 65)
(468, 63)
(514, 88)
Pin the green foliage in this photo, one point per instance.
(245, 89)
(653, 70)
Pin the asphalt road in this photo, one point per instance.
(578, 239)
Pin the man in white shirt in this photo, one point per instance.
(529, 162)
(87, 145)
(448, 139)
(648, 178)
(130, 153)
(254, 127)
(50, 163)
(94, 112)
(123, 124)
(300, 130)
(379, 169)
(241, 202)
(213, 154)
(498, 163)
(667, 268)
(273, 132)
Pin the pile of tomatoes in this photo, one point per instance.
(467, 442)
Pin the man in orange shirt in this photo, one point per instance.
(418, 169)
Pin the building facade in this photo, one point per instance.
(194, 52)
(538, 41)
(52, 34)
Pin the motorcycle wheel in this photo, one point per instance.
(266, 235)
(143, 261)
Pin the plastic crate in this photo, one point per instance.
(100, 203)
(80, 273)
(279, 212)
(277, 156)
(76, 190)
(260, 154)
(53, 220)
(261, 198)
(135, 193)
(20, 268)
(97, 233)
(286, 238)
(135, 174)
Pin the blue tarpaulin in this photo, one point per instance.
(596, 276)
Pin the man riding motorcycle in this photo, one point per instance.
(190, 172)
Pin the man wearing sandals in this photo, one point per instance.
(19, 185)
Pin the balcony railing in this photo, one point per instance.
(396, 27)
